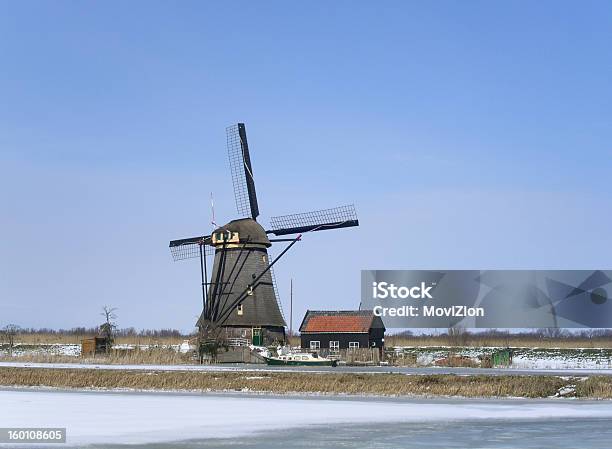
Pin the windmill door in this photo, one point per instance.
(257, 339)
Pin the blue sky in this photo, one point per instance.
(468, 135)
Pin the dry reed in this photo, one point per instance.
(327, 383)
(595, 387)
(151, 356)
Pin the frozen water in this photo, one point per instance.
(109, 418)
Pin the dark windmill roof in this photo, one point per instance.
(248, 230)
(353, 321)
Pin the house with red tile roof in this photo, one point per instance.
(341, 329)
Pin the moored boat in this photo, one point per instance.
(300, 359)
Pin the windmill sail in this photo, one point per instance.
(190, 248)
(242, 171)
(320, 220)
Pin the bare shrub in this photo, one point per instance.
(9, 333)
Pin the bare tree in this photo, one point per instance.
(9, 332)
(107, 329)
(551, 333)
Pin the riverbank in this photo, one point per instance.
(529, 358)
(593, 387)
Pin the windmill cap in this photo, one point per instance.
(248, 231)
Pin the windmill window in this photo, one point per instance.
(239, 309)
(314, 344)
(353, 344)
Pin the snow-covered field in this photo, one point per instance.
(74, 350)
(42, 349)
(524, 358)
(102, 417)
(562, 358)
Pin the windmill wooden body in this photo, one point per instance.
(240, 299)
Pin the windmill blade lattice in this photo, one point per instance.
(190, 248)
(320, 220)
(242, 171)
(275, 285)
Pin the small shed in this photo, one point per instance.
(342, 329)
(94, 345)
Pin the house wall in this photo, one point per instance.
(272, 335)
(377, 337)
(343, 338)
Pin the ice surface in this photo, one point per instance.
(104, 417)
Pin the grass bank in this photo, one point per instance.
(328, 383)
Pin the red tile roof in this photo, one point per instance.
(338, 323)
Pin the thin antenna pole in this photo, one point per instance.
(212, 208)
(291, 309)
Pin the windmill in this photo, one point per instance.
(239, 300)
